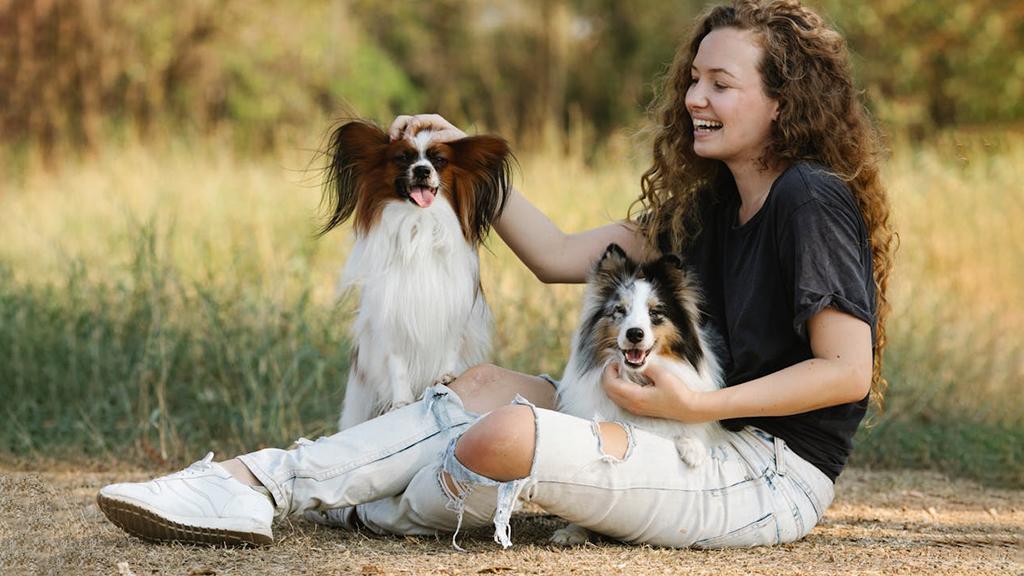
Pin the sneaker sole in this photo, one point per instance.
(147, 525)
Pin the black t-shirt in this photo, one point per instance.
(806, 249)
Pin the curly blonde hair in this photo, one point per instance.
(805, 68)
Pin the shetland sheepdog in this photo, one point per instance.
(639, 315)
(420, 210)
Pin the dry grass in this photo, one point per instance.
(881, 523)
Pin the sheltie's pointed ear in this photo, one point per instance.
(613, 262)
(482, 177)
(683, 282)
(354, 149)
(673, 261)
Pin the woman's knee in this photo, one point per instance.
(500, 445)
(614, 439)
(485, 387)
(476, 378)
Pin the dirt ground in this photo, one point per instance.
(881, 523)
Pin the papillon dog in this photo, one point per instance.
(420, 209)
(639, 315)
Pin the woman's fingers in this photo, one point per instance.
(406, 126)
(629, 396)
(398, 126)
(656, 373)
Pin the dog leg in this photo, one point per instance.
(359, 404)
(446, 378)
(398, 376)
(691, 450)
(571, 535)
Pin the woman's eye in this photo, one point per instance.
(720, 86)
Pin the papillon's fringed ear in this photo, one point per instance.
(353, 150)
(482, 182)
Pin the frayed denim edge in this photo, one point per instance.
(508, 492)
(595, 427)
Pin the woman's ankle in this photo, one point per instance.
(241, 472)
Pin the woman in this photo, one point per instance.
(765, 177)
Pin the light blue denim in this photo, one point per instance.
(753, 490)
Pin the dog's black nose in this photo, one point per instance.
(421, 172)
(634, 335)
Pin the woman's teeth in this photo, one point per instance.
(706, 124)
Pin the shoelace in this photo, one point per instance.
(203, 465)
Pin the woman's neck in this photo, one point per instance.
(753, 182)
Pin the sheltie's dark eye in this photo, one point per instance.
(619, 310)
(405, 157)
(657, 316)
(438, 161)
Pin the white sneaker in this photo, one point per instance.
(202, 504)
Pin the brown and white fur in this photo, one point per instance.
(639, 315)
(420, 210)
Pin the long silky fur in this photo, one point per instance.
(483, 174)
(353, 150)
(691, 358)
(422, 313)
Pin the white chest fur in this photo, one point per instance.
(421, 312)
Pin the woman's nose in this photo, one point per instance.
(695, 97)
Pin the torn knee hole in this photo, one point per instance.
(613, 440)
(454, 490)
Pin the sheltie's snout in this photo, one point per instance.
(636, 339)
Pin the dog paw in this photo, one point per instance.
(446, 379)
(399, 404)
(691, 451)
(571, 535)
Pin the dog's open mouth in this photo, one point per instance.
(423, 196)
(635, 357)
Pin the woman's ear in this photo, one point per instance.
(354, 148)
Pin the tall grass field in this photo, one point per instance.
(164, 300)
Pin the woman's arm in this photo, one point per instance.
(552, 255)
(840, 372)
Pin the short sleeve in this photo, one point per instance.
(826, 262)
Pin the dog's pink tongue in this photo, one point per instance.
(635, 355)
(422, 196)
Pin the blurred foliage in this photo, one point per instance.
(76, 72)
(936, 64)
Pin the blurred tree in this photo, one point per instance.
(73, 72)
(72, 69)
(928, 65)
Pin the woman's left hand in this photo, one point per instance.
(666, 397)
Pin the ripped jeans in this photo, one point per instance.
(753, 490)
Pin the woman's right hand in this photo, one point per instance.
(408, 126)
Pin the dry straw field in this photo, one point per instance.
(158, 301)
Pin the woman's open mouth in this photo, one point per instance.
(635, 357)
(423, 196)
(703, 127)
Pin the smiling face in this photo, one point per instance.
(418, 165)
(635, 312)
(637, 322)
(731, 114)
